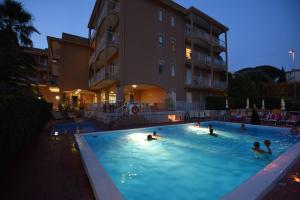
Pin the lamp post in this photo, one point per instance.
(292, 53)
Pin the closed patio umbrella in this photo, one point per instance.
(247, 104)
(282, 104)
(263, 104)
(226, 106)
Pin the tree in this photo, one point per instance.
(282, 77)
(16, 68)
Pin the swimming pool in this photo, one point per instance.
(185, 163)
(71, 128)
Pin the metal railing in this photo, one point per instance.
(219, 42)
(219, 63)
(113, 6)
(185, 106)
(219, 84)
(204, 58)
(109, 72)
(198, 81)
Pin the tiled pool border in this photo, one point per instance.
(253, 188)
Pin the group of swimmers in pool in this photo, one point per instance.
(256, 146)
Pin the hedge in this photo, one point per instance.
(22, 119)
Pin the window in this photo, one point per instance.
(173, 19)
(160, 41)
(173, 70)
(173, 44)
(189, 97)
(161, 67)
(160, 15)
(188, 53)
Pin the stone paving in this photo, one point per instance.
(50, 170)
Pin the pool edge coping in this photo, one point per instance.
(101, 183)
(258, 185)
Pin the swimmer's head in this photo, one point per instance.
(256, 144)
(154, 133)
(149, 137)
(267, 142)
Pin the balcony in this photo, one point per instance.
(202, 58)
(219, 42)
(219, 64)
(204, 39)
(110, 40)
(109, 73)
(202, 83)
(109, 7)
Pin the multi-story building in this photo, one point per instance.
(152, 50)
(69, 57)
(43, 75)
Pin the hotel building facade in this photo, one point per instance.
(148, 51)
(154, 53)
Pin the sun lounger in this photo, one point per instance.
(292, 120)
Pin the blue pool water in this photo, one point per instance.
(185, 163)
(70, 128)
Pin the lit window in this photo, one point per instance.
(173, 70)
(160, 15)
(173, 20)
(161, 68)
(188, 53)
(173, 44)
(160, 41)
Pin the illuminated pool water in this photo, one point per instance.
(185, 163)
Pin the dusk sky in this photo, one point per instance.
(261, 31)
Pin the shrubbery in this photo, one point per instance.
(215, 103)
(22, 118)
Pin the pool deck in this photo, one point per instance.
(51, 168)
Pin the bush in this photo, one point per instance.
(292, 104)
(22, 118)
(215, 103)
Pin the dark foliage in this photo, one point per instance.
(22, 119)
(16, 68)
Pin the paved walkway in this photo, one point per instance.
(288, 188)
(51, 169)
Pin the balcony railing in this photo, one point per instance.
(110, 72)
(205, 36)
(219, 84)
(111, 38)
(201, 57)
(201, 82)
(113, 6)
(219, 63)
(219, 42)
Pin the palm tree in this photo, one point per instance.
(16, 68)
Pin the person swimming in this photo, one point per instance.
(155, 135)
(294, 130)
(243, 127)
(150, 138)
(211, 131)
(256, 148)
(198, 124)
